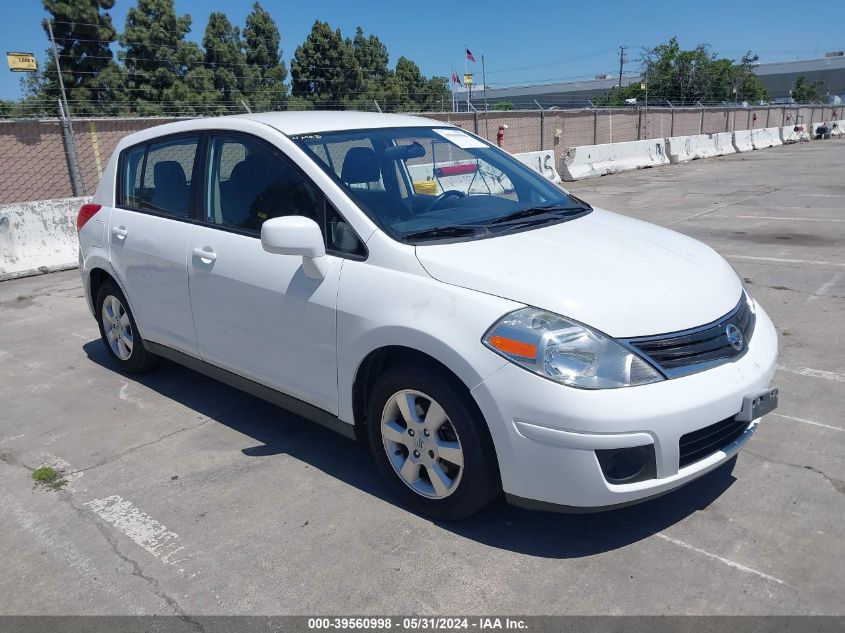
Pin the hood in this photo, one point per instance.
(617, 274)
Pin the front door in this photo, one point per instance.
(256, 313)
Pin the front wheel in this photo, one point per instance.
(119, 332)
(430, 444)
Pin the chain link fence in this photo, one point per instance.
(37, 159)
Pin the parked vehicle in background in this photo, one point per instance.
(409, 284)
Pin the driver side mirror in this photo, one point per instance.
(297, 235)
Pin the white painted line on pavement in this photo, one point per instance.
(140, 527)
(779, 260)
(825, 287)
(767, 217)
(721, 559)
(813, 373)
(824, 426)
(124, 395)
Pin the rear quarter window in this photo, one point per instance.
(158, 176)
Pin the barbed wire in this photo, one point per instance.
(110, 109)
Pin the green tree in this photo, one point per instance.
(225, 58)
(411, 86)
(688, 76)
(371, 56)
(503, 105)
(83, 31)
(803, 92)
(436, 96)
(165, 73)
(410, 91)
(265, 72)
(324, 70)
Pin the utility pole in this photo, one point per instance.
(622, 60)
(67, 125)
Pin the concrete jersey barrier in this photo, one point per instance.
(38, 237)
(723, 143)
(485, 180)
(589, 161)
(685, 148)
(766, 137)
(742, 141)
(543, 162)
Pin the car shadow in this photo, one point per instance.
(500, 525)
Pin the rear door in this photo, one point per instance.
(256, 313)
(148, 235)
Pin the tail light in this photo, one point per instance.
(87, 212)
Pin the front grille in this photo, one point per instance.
(690, 351)
(703, 442)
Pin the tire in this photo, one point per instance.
(119, 332)
(393, 440)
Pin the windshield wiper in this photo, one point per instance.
(549, 209)
(443, 231)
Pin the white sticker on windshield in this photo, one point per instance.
(460, 138)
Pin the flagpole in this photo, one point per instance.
(466, 72)
(484, 81)
(452, 86)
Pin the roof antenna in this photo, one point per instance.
(246, 107)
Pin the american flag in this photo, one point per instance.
(470, 56)
(456, 79)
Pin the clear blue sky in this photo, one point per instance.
(523, 41)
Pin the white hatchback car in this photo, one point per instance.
(409, 284)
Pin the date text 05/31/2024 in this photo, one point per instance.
(417, 623)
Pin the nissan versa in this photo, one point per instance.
(407, 283)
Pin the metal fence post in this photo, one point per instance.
(542, 127)
(639, 123)
(768, 113)
(672, 119)
(70, 152)
(748, 122)
(595, 125)
(701, 123)
(475, 121)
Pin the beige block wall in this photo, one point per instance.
(33, 165)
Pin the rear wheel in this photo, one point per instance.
(119, 332)
(430, 443)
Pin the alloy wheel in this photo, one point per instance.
(117, 327)
(421, 444)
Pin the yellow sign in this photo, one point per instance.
(22, 62)
(468, 79)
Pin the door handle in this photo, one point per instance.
(205, 254)
(119, 232)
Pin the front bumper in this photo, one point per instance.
(545, 433)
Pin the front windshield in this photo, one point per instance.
(420, 184)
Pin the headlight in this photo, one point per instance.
(567, 352)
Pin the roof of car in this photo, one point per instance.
(290, 123)
(304, 122)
